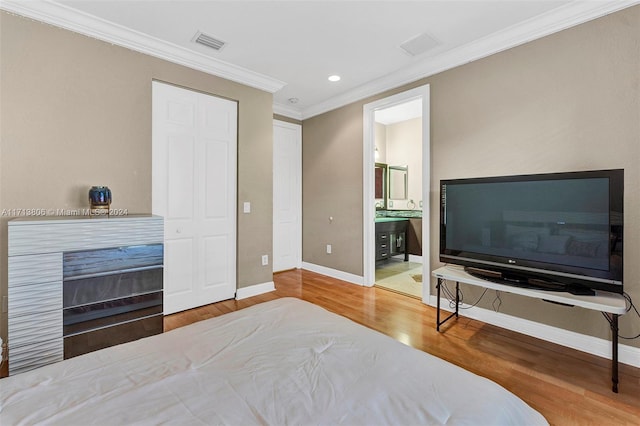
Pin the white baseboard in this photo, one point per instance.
(254, 290)
(592, 345)
(334, 273)
(415, 258)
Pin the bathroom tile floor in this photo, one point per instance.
(397, 275)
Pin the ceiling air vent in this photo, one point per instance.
(419, 44)
(208, 41)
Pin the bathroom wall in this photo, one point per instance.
(381, 142)
(404, 148)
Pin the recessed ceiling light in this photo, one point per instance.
(334, 78)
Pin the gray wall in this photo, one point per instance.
(566, 102)
(332, 187)
(76, 112)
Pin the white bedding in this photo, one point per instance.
(280, 362)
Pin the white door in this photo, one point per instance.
(287, 195)
(194, 188)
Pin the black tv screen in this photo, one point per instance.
(558, 231)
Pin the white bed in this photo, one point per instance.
(280, 362)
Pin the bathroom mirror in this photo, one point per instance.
(398, 182)
(381, 186)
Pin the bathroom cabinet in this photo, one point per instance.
(391, 238)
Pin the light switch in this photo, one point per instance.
(247, 207)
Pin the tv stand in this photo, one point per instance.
(610, 304)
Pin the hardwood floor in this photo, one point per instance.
(568, 387)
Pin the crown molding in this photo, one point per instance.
(570, 15)
(68, 18)
(287, 111)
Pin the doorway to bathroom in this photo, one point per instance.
(397, 183)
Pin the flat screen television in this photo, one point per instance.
(555, 231)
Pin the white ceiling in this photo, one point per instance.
(400, 112)
(291, 47)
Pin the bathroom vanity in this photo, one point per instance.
(391, 237)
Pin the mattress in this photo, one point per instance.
(281, 362)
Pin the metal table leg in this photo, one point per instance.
(614, 358)
(453, 314)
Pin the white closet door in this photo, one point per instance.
(287, 195)
(194, 188)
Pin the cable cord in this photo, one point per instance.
(448, 294)
(452, 298)
(497, 299)
(631, 306)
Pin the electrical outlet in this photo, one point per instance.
(328, 248)
(265, 260)
(246, 207)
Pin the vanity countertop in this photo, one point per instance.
(399, 213)
(390, 219)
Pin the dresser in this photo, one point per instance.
(80, 284)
